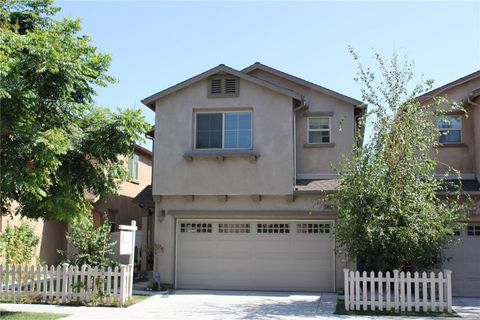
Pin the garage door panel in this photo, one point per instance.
(464, 261)
(249, 255)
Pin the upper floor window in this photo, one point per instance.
(223, 86)
(133, 167)
(450, 129)
(318, 130)
(223, 130)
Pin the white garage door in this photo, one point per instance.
(255, 255)
(464, 261)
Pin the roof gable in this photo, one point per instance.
(435, 92)
(150, 101)
(308, 84)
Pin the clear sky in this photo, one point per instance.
(157, 44)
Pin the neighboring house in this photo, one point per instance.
(241, 159)
(460, 148)
(50, 233)
(120, 209)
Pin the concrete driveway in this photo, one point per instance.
(225, 305)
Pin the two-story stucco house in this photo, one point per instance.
(120, 209)
(460, 149)
(240, 161)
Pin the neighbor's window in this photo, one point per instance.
(450, 128)
(318, 129)
(223, 130)
(133, 167)
(112, 219)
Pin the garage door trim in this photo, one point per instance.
(180, 220)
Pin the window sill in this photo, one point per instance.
(221, 154)
(134, 181)
(452, 145)
(319, 145)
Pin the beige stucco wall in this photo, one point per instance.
(51, 234)
(323, 160)
(305, 207)
(122, 203)
(465, 157)
(319, 160)
(272, 125)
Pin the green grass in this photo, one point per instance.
(7, 315)
(340, 309)
(136, 298)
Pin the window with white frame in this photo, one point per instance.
(233, 228)
(450, 129)
(196, 227)
(313, 228)
(223, 130)
(268, 228)
(318, 130)
(473, 230)
(133, 167)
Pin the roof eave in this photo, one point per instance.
(435, 92)
(306, 83)
(150, 101)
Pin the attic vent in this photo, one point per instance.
(223, 87)
(230, 86)
(216, 86)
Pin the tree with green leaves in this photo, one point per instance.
(56, 145)
(90, 245)
(18, 244)
(390, 215)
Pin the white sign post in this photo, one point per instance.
(127, 246)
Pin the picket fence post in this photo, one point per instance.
(122, 284)
(64, 292)
(448, 289)
(345, 290)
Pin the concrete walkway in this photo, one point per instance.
(210, 304)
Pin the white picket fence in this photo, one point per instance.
(399, 291)
(66, 283)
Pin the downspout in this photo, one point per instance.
(472, 103)
(153, 162)
(303, 106)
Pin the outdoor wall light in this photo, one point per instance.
(160, 214)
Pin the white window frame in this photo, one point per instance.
(320, 130)
(442, 130)
(133, 163)
(223, 112)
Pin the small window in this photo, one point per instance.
(196, 227)
(273, 228)
(133, 167)
(223, 87)
(473, 230)
(318, 129)
(112, 219)
(450, 129)
(224, 130)
(233, 228)
(313, 228)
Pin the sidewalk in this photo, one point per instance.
(225, 305)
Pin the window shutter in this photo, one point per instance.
(230, 86)
(216, 86)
